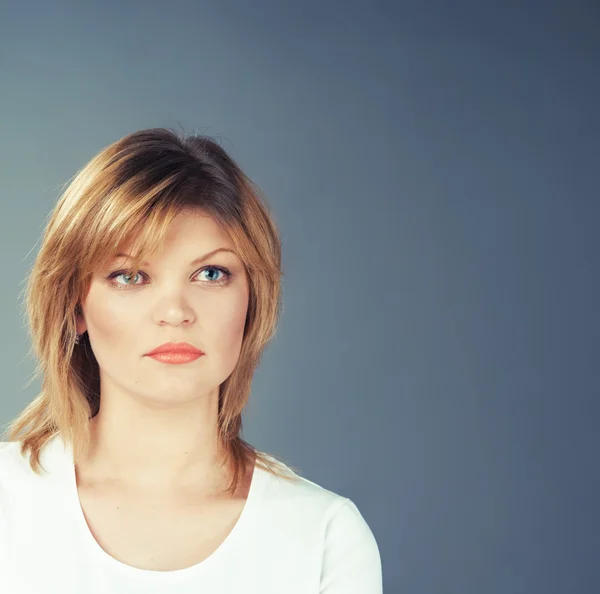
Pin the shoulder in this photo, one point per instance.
(349, 554)
(16, 475)
(19, 482)
(289, 488)
(15, 486)
(310, 497)
(13, 464)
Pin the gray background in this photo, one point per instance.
(433, 169)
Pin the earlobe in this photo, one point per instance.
(80, 331)
(80, 324)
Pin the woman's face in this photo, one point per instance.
(175, 298)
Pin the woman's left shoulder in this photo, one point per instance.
(351, 556)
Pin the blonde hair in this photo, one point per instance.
(130, 192)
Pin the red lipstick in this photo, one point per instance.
(175, 353)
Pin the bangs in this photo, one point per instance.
(140, 237)
(137, 227)
(140, 230)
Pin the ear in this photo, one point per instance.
(80, 320)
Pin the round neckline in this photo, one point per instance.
(244, 521)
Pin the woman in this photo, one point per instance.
(153, 295)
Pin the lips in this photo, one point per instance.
(175, 347)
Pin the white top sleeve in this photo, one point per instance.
(351, 558)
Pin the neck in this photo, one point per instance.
(159, 448)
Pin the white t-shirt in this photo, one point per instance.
(291, 538)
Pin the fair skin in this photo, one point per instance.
(153, 467)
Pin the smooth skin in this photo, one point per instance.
(151, 487)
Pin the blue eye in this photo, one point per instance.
(213, 268)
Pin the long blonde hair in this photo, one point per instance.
(130, 192)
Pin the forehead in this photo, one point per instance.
(194, 226)
(191, 231)
(201, 258)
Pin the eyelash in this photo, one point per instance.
(121, 287)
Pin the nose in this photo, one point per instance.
(173, 311)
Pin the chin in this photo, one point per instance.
(172, 394)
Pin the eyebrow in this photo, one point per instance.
(196, 261)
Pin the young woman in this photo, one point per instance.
(152, 297)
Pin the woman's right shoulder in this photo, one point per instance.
(13, 464)
(16, 476)
(9, 450)
(12, 471)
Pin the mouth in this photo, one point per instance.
(175, 353)
(176, 358)
(175, 348)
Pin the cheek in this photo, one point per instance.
(110, 322)
(227, 329)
